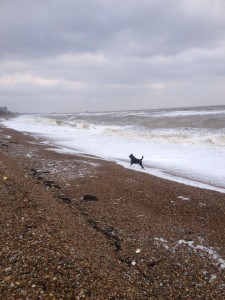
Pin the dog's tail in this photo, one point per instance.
(142, 157)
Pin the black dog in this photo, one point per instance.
(135, 160)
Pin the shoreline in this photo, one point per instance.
(152, 171)
(141, 237)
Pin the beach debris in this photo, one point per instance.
(213, 277)
(138, 251)
(183, 198)
(133, 263)
(51, 183)
(89, 198)
(110, 233)
(4, 145)
(64, 198)
(30, 154)
(37, 174)
(5, 178)
(139, 216)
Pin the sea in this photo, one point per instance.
(185, 145)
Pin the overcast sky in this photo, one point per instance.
(93, 55)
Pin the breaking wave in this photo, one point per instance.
(172, 136)
(101, 125)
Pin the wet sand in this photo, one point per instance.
(78, 227)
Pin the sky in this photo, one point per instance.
(98, 55)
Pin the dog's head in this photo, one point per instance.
(131, 156)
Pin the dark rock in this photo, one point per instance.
(75, 285)
(56, 186)
(45, 172)
(64, 198)
(89, 198)
(151, 264)
(48, 182)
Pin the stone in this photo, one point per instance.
(89, 198)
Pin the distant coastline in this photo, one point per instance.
(8, 114)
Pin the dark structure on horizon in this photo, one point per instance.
(3, 109)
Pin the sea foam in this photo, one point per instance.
(191, 155)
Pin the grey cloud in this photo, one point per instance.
(43, 28)
(105, 54)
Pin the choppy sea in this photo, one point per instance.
(184, 144)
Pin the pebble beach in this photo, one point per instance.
(78, 227)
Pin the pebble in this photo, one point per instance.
(89, 266)
(24, 293)
(7, 278)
